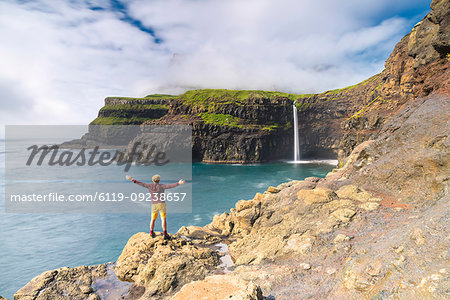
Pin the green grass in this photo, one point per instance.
(231, 121)
(134, 106)
(271, 127)
(239, 95)
(210, 99)
(360, 113)
(349, 88)
(126, 98)
(148, 97)
(220, 119)
(301, 106)
(160, 96)
(119, 121)
(337, 91)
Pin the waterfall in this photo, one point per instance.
(296, 142)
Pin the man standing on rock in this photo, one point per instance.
(158, 200)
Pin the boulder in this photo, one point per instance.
(354, 193)
(63, 283)
(300, 243)
(343, 214)
(417, 236)
(305, 266)
(258, 197)
(368, 206)
(161, 265)
(361, 275)
(199, 234)
(222, 223)
(341, 238)
(317, 195)
(245, 219)
(218, 287)
(335, 204)
(243, 204)
(273, 190)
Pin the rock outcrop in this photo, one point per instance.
(418, 139)
(161, 266)
(220, 287)
(234, 126)
(148, 268)
(132, 111)
(64, 283)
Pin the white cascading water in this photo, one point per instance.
(296, 142)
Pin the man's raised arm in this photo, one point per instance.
(169, 186)
(128, 177)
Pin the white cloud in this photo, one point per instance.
(66, 59)
(58, 60)
(298, 46)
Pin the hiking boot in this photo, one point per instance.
(167, 237)
(152, 234)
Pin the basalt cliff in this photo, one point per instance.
(377, 227)
(256, 126)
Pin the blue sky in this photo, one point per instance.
(60, 59)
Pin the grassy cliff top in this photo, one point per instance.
(210, 101)
(119, 121)
(236, 95)
(210, 98)
(160, 96)
(202, 95)
(148, 97)
(134, 106)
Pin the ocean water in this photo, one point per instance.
(33, 243)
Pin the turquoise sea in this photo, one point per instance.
(33, 243)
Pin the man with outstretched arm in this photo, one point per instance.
(158, 204)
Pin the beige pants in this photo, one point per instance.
(159, 208)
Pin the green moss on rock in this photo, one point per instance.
(220, 119)
(210, 98)
(160, 96)
(134, 107)
(119, 121)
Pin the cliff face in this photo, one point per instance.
(256, 126)
(235, 126)
(418, 66)
(132, 111)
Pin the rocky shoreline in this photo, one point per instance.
(377, 227)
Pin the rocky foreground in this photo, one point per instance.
(375, 228)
